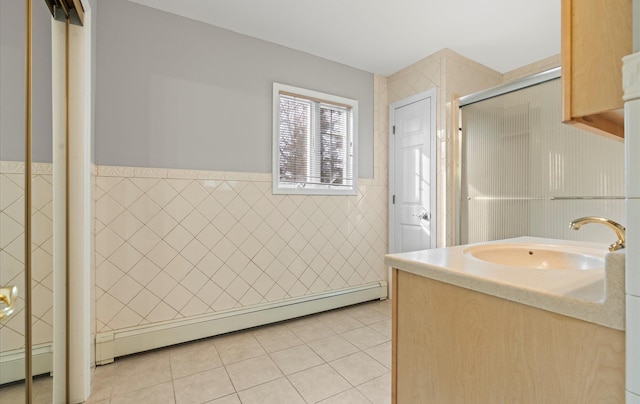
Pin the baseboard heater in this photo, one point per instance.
(12, 362)
(110, 345)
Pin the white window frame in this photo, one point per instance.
(312, 189)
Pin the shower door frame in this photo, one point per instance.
(459, 191)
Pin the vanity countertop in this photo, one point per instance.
(595, 295)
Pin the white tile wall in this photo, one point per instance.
(631, 84)
(632, 148)
(180, 246)
(12, 250)
(633, 350)
(632, 151)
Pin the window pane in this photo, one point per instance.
(295, 125)
(313, 133)
(334, 151)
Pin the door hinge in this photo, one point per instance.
(393, 200)
(394, 129)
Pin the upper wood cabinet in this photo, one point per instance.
(596, 34)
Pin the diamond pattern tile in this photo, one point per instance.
(11, 192)
(125, 192)
(162, 193)
(12, 251)
(199, 246)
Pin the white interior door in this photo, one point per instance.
(412, 216)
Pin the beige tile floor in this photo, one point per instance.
(15, 393)
(341, 356)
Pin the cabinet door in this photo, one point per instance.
(455, 345)
(596, 35)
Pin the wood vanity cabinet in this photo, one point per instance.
(596, 34)
(455, 345)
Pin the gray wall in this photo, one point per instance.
(94, 52)
(176, 93)
(12, 81)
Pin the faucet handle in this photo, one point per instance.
(618, 245)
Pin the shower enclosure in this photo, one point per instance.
(525, 173)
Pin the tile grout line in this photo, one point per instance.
(173, 384)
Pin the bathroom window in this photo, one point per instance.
(315, 142)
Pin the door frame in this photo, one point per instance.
(431, 93)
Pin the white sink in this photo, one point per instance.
(538, 256)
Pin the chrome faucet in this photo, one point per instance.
(616, 227)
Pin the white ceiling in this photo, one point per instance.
(384, 36)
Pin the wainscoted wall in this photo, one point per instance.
(174, 243)
(12, 251)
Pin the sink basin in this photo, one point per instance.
(538, 256)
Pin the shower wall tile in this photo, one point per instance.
(533, 68)
(465, 76)
(419, 77)
(12, 250)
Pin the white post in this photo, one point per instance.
(59, 110)
(72, 169)
(80, 197)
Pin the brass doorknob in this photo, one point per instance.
(8, 296)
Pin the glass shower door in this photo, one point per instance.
(12, 155)
(13, 222)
